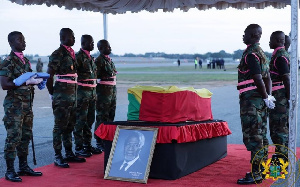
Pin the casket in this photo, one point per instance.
(169, 104)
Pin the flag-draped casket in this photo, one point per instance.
(169, 104)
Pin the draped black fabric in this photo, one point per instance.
(172, 161)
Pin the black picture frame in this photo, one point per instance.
(134, 145)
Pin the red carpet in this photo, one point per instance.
(223, 173)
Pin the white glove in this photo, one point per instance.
(270, 102)
(51, 97)
(272, 98)
(33, 80)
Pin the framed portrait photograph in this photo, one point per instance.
(131, 154)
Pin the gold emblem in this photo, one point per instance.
(275, 170)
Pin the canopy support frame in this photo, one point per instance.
(293, 103)
(105, 25)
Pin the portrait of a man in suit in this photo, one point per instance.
(132, 166)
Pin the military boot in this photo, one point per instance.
(253, 177)
(92, 149)
(262, 169)
(100, 145)
(250, 178)
(24, 169)
(10, 174)
(81, 151)
(70, 157)
(59, 161)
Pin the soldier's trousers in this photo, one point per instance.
(85, 116)
(105, 104)
(18, 120)
(279, 122)
(64, 111)
(254, 127)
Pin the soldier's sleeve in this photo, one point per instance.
(94, 64)
(253, 64)
(281, 64)
(6, 68)
(114, 67)
(98, 65)
(54, 61)
(78, 61)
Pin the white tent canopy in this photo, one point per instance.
(122, 6)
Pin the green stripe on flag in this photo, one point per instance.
(133, 108)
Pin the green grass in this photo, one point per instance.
(174, 68)
(176, 78)
(174, 74)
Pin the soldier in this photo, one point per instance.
(280, 75)
(86, 98)
(62, 63)
(39, 66)
(106, 89)
(254, 85)
(18, 118)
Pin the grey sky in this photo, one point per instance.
(178, 32)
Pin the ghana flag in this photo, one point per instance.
(169, 104)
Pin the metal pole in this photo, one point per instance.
(105, 25)
(293, 94)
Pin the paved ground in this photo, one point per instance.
(225, 106)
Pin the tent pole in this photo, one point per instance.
(105, 25)
(293, 95)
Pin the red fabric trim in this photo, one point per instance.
(174, 107)
(168, 134)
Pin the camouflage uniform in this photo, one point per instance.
(18, 118)
(64, 99)
(106, 94)
(39, 66)
(279, 116)
(252, 107)
(86, 100)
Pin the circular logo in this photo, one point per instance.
(276, 167)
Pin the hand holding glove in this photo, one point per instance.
(269, 101)
(33, 80)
